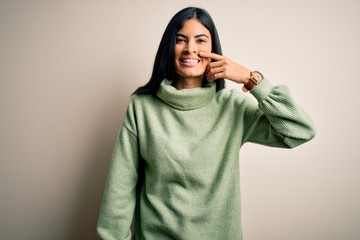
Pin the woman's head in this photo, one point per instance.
(164, 66)
(192, 39)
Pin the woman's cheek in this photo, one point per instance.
(206, 61)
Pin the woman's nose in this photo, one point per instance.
(190, 48)
(189, 51)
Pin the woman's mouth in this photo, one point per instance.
(189, 61)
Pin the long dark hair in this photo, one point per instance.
(165, 56)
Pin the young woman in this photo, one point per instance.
(175, 167)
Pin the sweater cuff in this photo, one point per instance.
(262, 90)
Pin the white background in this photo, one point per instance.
(67, 69)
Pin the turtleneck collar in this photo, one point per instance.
(186, 99)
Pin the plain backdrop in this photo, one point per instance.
(67, 69)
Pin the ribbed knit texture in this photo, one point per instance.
(176, 159)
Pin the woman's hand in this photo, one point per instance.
(224, 67)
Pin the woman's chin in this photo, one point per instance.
(191, 75)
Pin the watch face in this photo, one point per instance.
(257, 76)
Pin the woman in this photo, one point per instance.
(175, 167)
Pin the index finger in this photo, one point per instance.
(214, 56)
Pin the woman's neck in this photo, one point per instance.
(187, 83)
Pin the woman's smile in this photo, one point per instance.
(190, 62)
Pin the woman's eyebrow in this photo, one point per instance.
(201, 35)
(196, 36)
(181, 35)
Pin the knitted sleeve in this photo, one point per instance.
(277, 120)
(117, 209)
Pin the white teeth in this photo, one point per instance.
(189, 60)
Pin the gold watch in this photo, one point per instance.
(255, 78)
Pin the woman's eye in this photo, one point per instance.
(201, 40)
(179, 40)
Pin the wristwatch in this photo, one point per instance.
(255, 78)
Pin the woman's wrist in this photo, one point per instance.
(254, 79)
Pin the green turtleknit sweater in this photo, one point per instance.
(175, 166)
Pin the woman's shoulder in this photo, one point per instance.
(232, 96)
(143, 102)
(235, 100)
(141, 98)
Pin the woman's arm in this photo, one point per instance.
(117, 209)
(277, 120)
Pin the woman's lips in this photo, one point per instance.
(189, 62)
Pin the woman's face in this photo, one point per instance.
(191, 39)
